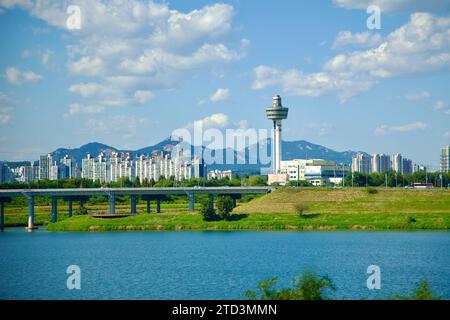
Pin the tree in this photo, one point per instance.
(207, 211)
(224, 207)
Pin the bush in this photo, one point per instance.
(300, 208)
(81, 211)
(224, 207)
(411, 220)
(371, 190)
(308, 286)
(207, 211)
(421, 292)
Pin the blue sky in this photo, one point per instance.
(137, 70)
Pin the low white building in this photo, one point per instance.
(219, 174)
(317, 171)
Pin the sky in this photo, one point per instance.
(134, 71)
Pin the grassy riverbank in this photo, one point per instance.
(340, 209)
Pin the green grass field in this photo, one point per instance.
(327, 209)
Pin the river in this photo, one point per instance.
(215, 265)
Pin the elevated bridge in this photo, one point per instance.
(148, 194)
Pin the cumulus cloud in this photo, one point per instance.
(142, 96)
(136, 45)
(396, 5)
(419, 47)
(17, 77)
(90, 89)
(406, 128)
(363, 39)
(76, 108)
(220, 95)
(217, 120)
(296, 83)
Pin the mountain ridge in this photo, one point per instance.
(297, 149)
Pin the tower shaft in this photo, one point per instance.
(277, 145)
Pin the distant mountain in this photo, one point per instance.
(95, 148)
(306, 150)
(291, 150)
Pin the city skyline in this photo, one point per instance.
(130, 84)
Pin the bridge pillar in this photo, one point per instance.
(3, 201)
(30, 212)
(211, 200)
(54, 209)
(70, 208)
(191, 202)
(149, 208)
(2, 216)
(133, 204)
(234, 202)
(158, 205)
(112, 203)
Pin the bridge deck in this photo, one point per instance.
(133, 191)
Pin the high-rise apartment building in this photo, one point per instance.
(445, 159)
(45, 163)
(407, 166)
(361, 163)
(397, 163)
(381, 163)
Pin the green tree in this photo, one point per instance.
(224, 207)
(207, 211)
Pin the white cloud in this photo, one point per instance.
(363, 39)
(406, 128)
(76, 108)
(294, 82)
(396, 5)
(140, 41)
(421, 46)
(217, 120)
(220, 95)
(142, 96)
(17, 77)
(88, 66)
(5, 115)
(183, 29)
(447, 134)
(90, 89)
(417, 96)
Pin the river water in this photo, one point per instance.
(215, 265)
